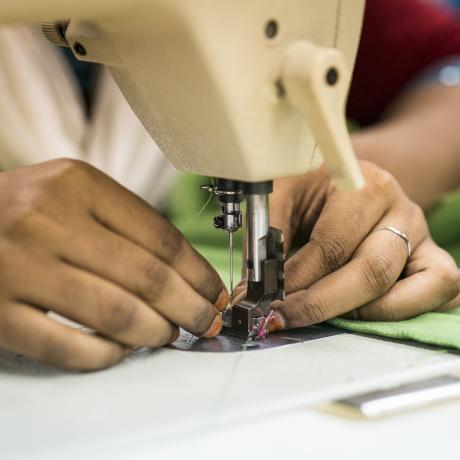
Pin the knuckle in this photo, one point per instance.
(71, 166)
(378, 274)
(417, 212)
(332, 253)
(155, 276)
(380, 178)
(313, 310)
(22, 221)
(118, 317)
(314, 313)
(172, 242)
(296, 277)
(67, 171)
(39, 195)
(386, 181)
(380, 182)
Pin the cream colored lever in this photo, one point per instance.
(316, 83)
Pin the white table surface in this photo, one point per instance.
(172, 404)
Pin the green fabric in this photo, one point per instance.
(441, 329)
(444, 223)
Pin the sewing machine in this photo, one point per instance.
(244, 92)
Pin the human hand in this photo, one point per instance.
(74, 241)
(345, 267)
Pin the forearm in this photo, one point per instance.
(418, 142)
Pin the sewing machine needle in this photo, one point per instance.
(230, 253)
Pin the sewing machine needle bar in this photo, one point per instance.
(230, 253)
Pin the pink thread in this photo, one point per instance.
(262, 331)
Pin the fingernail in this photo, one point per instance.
(215, 328)
(277, 323)
(222, 301)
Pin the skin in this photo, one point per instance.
(343, 266)
(418, 141)
(75, 242)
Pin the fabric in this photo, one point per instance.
(444, 224)
(43, 116)
(400, 39)
(441, 329)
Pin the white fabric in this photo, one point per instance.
(42, 117)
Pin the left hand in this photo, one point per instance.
(346, 268)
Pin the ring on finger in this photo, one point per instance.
(399, 233)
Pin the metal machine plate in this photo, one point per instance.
(394, 400)
(226, 342)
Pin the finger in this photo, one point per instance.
(114, 206)
(432, 281)
(137, 221)
(341, 227)
(376, 266)
(454, 303)
(148, 277)
(95, 302)
(29, 332)
(238, 294)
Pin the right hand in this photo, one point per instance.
(75, 242)
(345, 267)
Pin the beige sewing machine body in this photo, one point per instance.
(211, 80)
(242, 91)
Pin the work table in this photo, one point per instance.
(255, 404)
